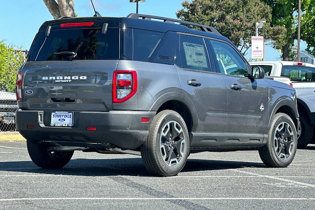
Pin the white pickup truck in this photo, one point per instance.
(301, 76)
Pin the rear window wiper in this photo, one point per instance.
(71, 54)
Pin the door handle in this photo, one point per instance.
(194, 83)
(236, 87)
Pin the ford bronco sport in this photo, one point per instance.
(152, 85)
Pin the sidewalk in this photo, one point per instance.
(11, 136)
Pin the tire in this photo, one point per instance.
(43, 157)
(167, 147)
(306, 132)
(282, 142)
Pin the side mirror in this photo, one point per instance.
(256, 73)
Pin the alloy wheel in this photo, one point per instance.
(172, 143)
(283, 141)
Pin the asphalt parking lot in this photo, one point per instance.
(230, 180)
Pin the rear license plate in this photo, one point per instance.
(61, 119)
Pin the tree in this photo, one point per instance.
(284, 13)
(308, 27)
(61, 8)
(234, 19)
(10, 62)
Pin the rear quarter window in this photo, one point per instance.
(140, 44)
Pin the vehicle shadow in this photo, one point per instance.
(310, 147)
(121, 166)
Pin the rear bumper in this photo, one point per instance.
(123, 129)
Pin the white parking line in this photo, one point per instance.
(251, 176)
(16, 169)
(32, 175)
(153, 199)
(275, 178)
(175, 177)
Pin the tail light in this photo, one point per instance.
(124, 85)
(80, 24)
(19, 82)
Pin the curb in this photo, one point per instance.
(10, 137)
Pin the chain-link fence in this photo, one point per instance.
(8, 106)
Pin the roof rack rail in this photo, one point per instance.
(171, 20)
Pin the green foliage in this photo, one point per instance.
(284, 13)
(308, 27)
(10, 62)
(235, 19)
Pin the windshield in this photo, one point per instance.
(77, 44)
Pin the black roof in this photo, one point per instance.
(148, 22)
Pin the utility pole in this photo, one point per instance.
(299, 32)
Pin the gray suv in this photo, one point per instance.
(152, 85)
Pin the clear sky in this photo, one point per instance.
(21, 19)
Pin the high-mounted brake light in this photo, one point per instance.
(80, 24)
(19, 82)
(124, 85)
(300, 64)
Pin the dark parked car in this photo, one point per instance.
(152, 85)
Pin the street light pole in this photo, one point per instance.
(257, 29)
(299, 32)
(137, 9)
(260, 25)
(137, 4)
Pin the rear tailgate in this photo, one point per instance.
(68, 85)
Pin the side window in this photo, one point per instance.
(228, 60)
(193, 54)
(166, 52)
(299, 73)
(144, 43)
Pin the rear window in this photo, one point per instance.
(299, 73)
(82, 43)
(76, 44)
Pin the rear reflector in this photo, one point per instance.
(145, 119)
(65, 25)
(91, 128)
(30, 126)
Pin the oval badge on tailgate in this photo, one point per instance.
(29, 92)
